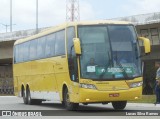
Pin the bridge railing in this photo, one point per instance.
(141, 19)
(18, 34)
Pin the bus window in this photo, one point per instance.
(50, 45)
(33, 49)
(26, 51)
(21, 48)
(95, 46)
(41, 47)
(60, 43)
(72, 59)
(15, 54)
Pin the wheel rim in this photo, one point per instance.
(24, 96)
(28, 97)
(67, 99)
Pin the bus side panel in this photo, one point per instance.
(61, 73)
(16, 89)
(43, 82)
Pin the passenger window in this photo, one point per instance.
(33, 49)
(26, 51)
(21, 48)
(60, 43)
(18, 49)
(40, 48)
(50, 45)
(16, 54)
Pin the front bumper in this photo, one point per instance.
(95, 96)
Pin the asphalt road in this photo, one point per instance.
(96, 110)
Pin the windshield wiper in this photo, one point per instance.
(118, 63)
(106, 67)
(123, 70)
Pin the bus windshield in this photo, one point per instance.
(109, 52)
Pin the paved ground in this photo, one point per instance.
(15, 103)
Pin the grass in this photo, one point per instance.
(146, 99)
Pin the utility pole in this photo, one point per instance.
(6, 25)
(10, 15)
(72, 10)
(36, 16)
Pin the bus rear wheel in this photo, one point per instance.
(24, 96)
(69, 105)
(119, 105)
(32, 101)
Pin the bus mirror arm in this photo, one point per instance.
(77, 46)
(143, 55)
(71, 51)
(147, 44)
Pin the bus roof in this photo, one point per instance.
(67, 24)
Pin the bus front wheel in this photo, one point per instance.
(69, 105)
(119, 105)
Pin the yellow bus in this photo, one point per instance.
(80, 62)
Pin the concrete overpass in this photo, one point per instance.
(7, 40)
(6, 56)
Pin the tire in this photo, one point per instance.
(63, 103)
(69, 105)
(24, 97)
(85, 104)
(120, 105)
(32, 101)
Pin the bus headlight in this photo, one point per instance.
(88, 86)
(136, 84)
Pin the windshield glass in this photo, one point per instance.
(109, 52)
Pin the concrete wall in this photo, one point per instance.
(151, 31)
(6, 51)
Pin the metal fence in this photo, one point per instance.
(6, 90)
(6, 86)
(6, 80)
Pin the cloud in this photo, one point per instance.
(51, 12)
(149, 5)
(86, 10)
(4, 11)
(134, 7)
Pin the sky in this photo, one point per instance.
(53, 12)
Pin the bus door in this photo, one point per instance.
(72, 64)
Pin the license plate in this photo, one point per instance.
(114, 95)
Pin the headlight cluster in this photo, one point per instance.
(136, 84)
(88, 86)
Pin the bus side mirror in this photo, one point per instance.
(147, 44)
(77, 46)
